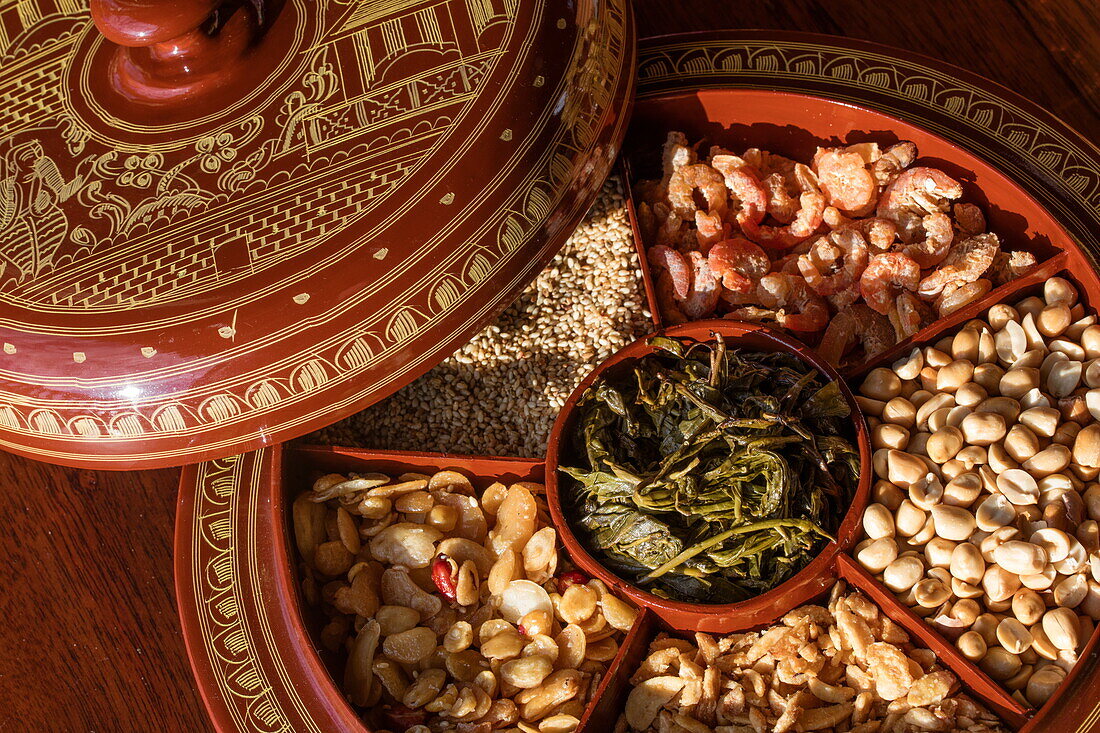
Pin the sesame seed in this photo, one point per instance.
(500, 393)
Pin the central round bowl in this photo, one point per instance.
(801, 587)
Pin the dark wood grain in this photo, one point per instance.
(91, 637)
(1046, 50)
(91, 640)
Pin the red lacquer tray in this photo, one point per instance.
(196, 271)
(249, 644)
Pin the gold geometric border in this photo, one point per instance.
(220, 499)
(254, 668)
(226, 494)
(184, 423)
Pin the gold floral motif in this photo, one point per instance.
(599, 52)
(252, 695)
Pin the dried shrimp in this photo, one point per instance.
(739, 263)
(909, 315)
(792, 303)
(860, 247)
(673, 263)
(705, 289)
(744, 185)
(939, 234)
(964, 264)
(857, 323)
(834, 264)
(885, 277)
(846, 180)
(916, 193)
(700, 177)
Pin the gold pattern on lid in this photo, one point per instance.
(239, 212)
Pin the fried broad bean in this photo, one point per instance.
(404, 545)
(332, 558)
(459, 637)
(461, 549)
(398, 589)
(516, 520)
(559, 687)
(395, 619)
(359, 672)
(572, 647)
(508, 567)
(541, 645)
(505, 645)
(619, 614)
(465, 665)
(526, 672)
(425, 688)
(561, 723)
(577, 604)
(410, 647)
(540, 555)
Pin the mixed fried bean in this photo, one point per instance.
(984, 516)
(456, 611)
(845, 667)
(859, 247)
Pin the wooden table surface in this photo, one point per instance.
(91, 639)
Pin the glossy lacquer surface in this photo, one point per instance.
(256, 217)
(1033, 175)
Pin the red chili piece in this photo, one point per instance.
(443, 575)
(402, 718)
(573, 577)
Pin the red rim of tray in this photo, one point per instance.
(217, 530)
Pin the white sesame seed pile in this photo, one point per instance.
(500, 394)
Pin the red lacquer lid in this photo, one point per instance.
(223, 225)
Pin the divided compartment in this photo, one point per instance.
(974, 683)
(716, 115)
(1075, 267)
(742, 118)
(721, 618)
(300, 465)
(977, 681)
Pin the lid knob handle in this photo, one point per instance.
(171, 51)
